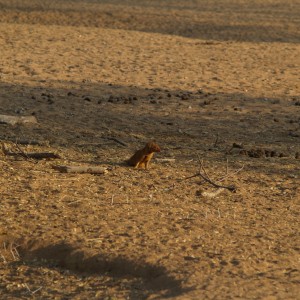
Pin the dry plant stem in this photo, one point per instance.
(28, 142)
(226, 166)
(74, 202)
(219, 180)
(3, 148)
(206, 178)
(81, 169)
(27, 287)
(29, 291)
(229, 151)
(35, 155)
(4, 259)
(42, 155)
(165, 159)
(212, 194)
(29, 156)
(117, 141)
(22, 152)
(230, 187)
(202, 168)
(13, 120)
(230, 174)
(190, 177)
(33, 292)
(14, 252)
(216, 141)
(95, 239)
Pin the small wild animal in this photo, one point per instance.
(141, 158)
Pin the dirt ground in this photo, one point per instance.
(214, 83)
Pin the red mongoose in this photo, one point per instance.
(142, 157)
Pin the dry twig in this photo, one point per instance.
(231, 188)
(206, 178)
(81, 169)
(30, 156)
(13, 120)
(117, 141)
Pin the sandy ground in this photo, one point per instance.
(102, 80)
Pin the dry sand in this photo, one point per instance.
(103, 79)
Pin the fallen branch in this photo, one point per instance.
(23, 142)
(13, 120)
(169, 160)
(231, 188)
(29, 142)
(42, 155)
(230, 174)
(117, 141)
(22, 153)
(206, 178)
(81, 169)
(216, 141)
(30, 155)
(211, 194)
(33, 155)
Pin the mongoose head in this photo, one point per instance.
(153, 147)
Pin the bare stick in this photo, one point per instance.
(4, 259)
(212, 194)
(169, 160)
(74, 202)
(231, 188)
(218, 180)
(226, 166)
(42, 155)
(16, 251)
(13, 120)
(12, 253)
(34, 155)
(206, 178)
(27, 287)
(230, 174)
(29, 291)
(81, 169)
(227, 174)
(202, 168)
(186, 178)
(33, 292)
(3, 148)
(29, 142)
(22, 152)
(117, 141)
(30, 156)
(216, 141)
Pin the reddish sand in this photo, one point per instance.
(199, 77)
